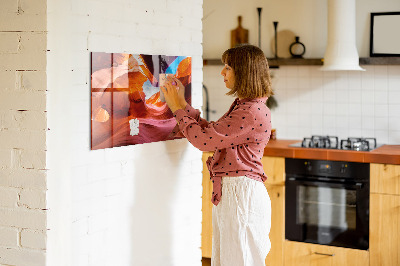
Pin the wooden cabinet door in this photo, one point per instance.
(385, 178)
(304, 254)
(384, 237)
(274, 168)
(277, 233)
(206, 226)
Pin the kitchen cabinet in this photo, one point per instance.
(385, 178)
(277, 233)
(206, 225)
(274, 168)
(305, 254)
(385, 230)
(384, 245)
(385, 215)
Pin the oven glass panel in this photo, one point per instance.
(326, 207)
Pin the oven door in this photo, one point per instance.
(327, 213)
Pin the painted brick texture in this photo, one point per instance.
(23, 132)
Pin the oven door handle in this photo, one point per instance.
(357, 185)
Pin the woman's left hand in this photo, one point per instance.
(171, 94)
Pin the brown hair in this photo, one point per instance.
(250, 66)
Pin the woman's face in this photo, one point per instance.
(229, 76)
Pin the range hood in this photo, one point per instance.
(341, 51)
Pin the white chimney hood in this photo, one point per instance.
(341, 51)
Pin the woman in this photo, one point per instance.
(242, 208)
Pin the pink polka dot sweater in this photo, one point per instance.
(238, 139)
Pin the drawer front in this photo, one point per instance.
(297, 253)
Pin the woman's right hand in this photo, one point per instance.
(174, 94)
(181, 91)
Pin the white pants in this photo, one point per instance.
(241, 223)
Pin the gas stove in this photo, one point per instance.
(332, 142)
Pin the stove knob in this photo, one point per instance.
(343, 168)
(308, 166)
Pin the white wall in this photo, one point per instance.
(306, 19)
(23, 133)
(311, 102)
(133, 205)
(343, 104)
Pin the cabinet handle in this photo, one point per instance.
(324, 254)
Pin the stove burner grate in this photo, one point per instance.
(327, 142)
(358, 144)
(332, 142)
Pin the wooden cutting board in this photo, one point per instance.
(239, 35)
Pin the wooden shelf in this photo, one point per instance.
(274, 63)
(380, 61)
(212, 62)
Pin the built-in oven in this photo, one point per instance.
(327, 202)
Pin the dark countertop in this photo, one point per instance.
(389, 154)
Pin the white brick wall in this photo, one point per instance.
(23, 132)
(24, 256)
(9, 237)
(134, 205)
(33, 239)
(9, 197)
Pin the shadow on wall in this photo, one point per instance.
(153, 223)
